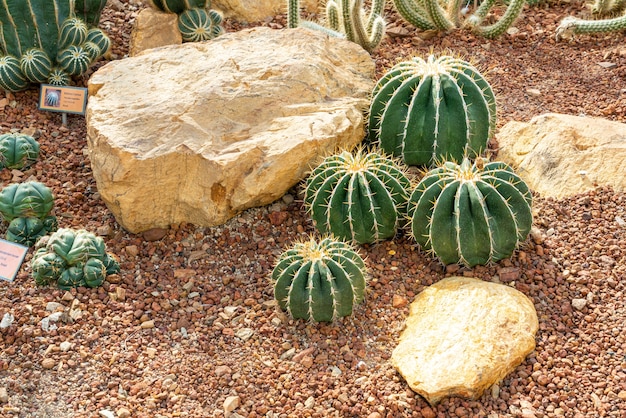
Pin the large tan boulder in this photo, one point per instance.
(152, 29)
(199, 132)
(562, 155)
(462, 336)
(258, 10)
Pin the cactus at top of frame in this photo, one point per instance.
(72, 258)
(319, 280)
(29, 199)
(358, 197)
(33, 32)
(18, 151)
(571, 26)
(196, 25)
(346, 18)
(472, 213)
(179, 6)
(445, 15)
(427, 111)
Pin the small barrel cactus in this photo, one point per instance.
(11, 76)
(36, 65)
(198, 25)
(360, 197)
(319, 281)
(72, 258)
(29, 199)
(28, 230)
(433, 110)
(18, 151)
(179, 6)
(472, 213)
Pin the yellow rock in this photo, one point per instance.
(462, 336)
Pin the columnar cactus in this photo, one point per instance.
(427, 111)
(360, 198)
(196, 20)
(470, 213)
(346, 18)
(18, 151)
(47, 38)
(72, 258)
(27, 207)
(571, 26)
(445, 15)
(319, 281)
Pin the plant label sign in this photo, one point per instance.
(63, 99)
(11, 258)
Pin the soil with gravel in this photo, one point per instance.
(189, 327)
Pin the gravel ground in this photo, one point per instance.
(189, 328)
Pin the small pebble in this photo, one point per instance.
(48, 363)
(579, 304)
(231, 403)
(123, 413)
(147, 324)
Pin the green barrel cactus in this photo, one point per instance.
(100, 39)
(179, 6)
(36, 33)
(428, 111)
(18, 151)
(472, 213)
(360, 198)
(28, 230)
(198, 25)
(319, 281)
(73, 258)
(22, 200)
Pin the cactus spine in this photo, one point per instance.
(346, 18)
(444, 15)
(360, 198)
(470, 213)
(431, 110)
(319, 281)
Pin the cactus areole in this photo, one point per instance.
(320, 281)
(433, 110)
(471, 213)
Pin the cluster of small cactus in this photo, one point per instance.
(17, 151)
(319, 280)
(196, 20)
(346, 19)
(358, 197)
(72, 258)
(43, 41)
(432, 110)
(470, 213)
(27, 207)
(444, 15)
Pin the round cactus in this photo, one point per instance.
(27, 231)
(74, 60)
(24, 200)
(18, 151)
(72, 258)
(360, 197)
(36, 65)
(320, 281)
(198, 25)
(58, 77)
(428, 111)
(73, 31)
(11, 76)
(471, 213)
(98, 37)
(179, 6)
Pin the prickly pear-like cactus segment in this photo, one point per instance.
(432, 110)
(319, 280)
(470, 213)
(360, 198)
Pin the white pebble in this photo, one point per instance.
(579, 304)
(7, 320)
(65, 346)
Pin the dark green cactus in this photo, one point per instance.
(357, 197)
(18, 151)
(35, 32)
(432, 110)
(471, 213)
(198, 25)
(319, 281)
(445, 15)
(72, 258)
(28, 230)
(179, 6)
(26, 200)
